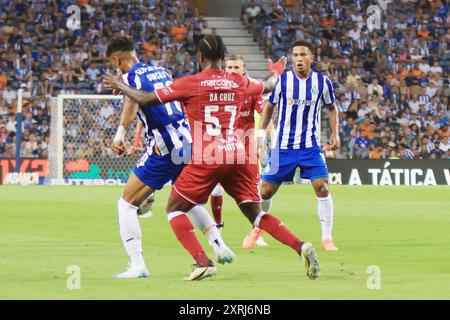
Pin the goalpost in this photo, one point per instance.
(82, 129)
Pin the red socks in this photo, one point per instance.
(273, 226)
(185, 233)
(216, 207)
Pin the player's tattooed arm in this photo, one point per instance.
(270, 83)
(334, 125)
(142, 98)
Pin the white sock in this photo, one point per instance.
(203, 221)
(266, 205)
(130, 232)
(325, 212)
(258, 219)
(218, 191)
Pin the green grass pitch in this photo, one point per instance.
(405, 231)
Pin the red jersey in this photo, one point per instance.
(246, 124)
(213, 101)
(247, 116)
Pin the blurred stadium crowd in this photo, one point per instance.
(45, 58)
(391, 83)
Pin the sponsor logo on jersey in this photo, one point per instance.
(299, 102)
(244, 113)
(219, 83)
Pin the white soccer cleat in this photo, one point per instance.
(261, 243)
(202, 272)
(145, 209)
(224, 254)
(133, 273)
(146, 215)
(309, 258)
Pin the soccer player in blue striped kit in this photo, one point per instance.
(300, 93)
(168, 150)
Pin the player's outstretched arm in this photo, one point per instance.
(334, 125)
(270, 83)
(266, 116)
(129, 112)
(126, 118)
(264, 122)
(142, 98)
(270, 128)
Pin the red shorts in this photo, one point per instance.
(197, 181)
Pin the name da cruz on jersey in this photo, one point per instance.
(223, 141)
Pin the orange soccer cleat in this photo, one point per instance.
(252, 238)
(328, 245)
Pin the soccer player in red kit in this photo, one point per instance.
(235, 64)
(212, 100)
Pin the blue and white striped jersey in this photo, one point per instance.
(165, 125)
(299, 102)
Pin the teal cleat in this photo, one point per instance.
(133, 273)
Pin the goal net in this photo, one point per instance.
(82, 129)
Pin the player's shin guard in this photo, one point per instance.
(216, 207)
(325, 212)
(130, 232)
(185, 233)
(273, 226)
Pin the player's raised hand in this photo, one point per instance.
(277, 67)
(113, 82)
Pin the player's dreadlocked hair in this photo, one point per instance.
(120, 44)
(212, 47)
